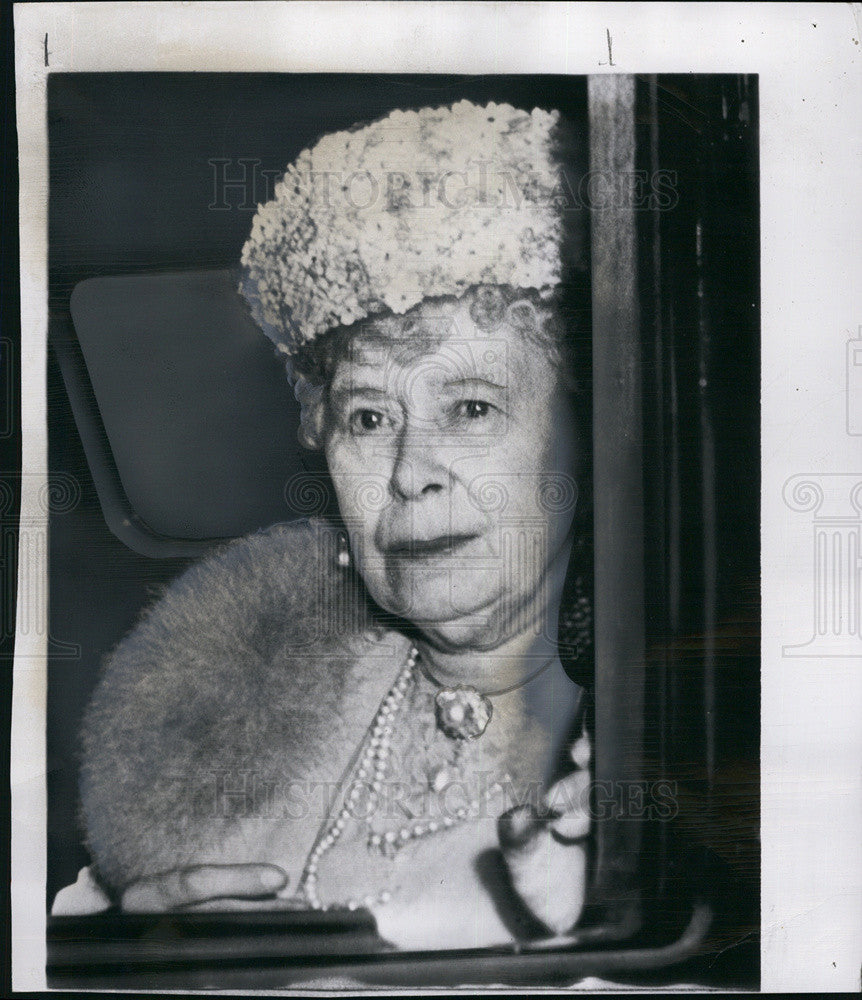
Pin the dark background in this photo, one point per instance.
(131, 192)
(699, 275)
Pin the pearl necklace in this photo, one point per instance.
(372, 765)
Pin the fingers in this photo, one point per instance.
(517, 828)
(582, 751)
(236, 905)
(569, 799)
(188, 886)
(544, 850)
(549, 876)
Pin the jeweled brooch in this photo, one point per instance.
(463, 713)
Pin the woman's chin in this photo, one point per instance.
(454, 611)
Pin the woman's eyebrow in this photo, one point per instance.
(348, 389)
(473, 380)
(344, 390)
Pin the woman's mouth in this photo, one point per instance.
(425, 548)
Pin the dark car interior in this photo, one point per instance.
(172, 429)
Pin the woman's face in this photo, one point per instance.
(451, 450)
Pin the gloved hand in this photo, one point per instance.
(545, 848)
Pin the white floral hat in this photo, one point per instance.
(416, 205)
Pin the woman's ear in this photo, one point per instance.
(311, 414)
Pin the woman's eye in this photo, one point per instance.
(475, 416)
(474, 409)
(367, 421)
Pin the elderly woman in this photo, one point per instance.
(374, 712)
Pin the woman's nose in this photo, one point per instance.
(417, 469)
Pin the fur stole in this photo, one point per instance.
(263, 664)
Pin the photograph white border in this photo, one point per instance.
(808, 58)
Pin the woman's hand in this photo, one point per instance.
(545, 850)
(199, 887)
(207, 887)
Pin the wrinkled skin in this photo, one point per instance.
(441, 444)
